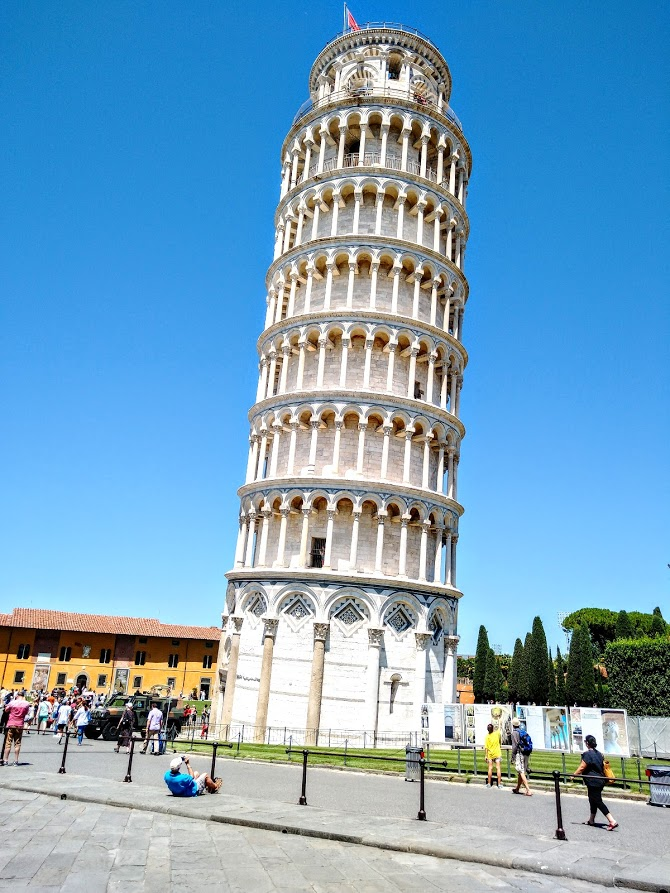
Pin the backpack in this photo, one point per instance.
(525, 742)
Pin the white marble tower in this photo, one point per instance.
(341, 608)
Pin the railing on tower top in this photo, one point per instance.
(388, 26)
(373, 159)
(374, 92)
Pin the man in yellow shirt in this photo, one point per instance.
(493, 752)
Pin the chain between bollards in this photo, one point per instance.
(422, 777)
(303, 794)
(129, 777)
(61, 771)
(560, 833)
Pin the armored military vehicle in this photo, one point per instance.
(105, 719)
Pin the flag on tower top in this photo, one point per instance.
(352, 24)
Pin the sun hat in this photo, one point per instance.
(176, 763)
(516, 722)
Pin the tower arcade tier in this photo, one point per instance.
(341, 608)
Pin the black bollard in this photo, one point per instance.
(560, 833)
(214, 748)
(130, 760)
(61, 771)
(422, 805)
(303, 794)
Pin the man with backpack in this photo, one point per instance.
(522, 747)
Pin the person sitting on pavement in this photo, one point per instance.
(520, 760)
(16, 711)
(154, 724)
(189, 783)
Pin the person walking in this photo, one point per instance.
(81, 719)
(493, 752)
(16, 712)
(153, 730)
(62, 720)
(125, 727)
(43, 712)
(520, 760)
(592, 767)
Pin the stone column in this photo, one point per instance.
(423, 550)
(249, 557)
(269, 633)
(385, 451)
(374, 270)
(316, 683)
(414, 353)
(266, 512)
(343, 362)
(402, 558)
(350, 285)
(274, 455)
(358, 195)
(450, 474)
(323, 340)
(353, 552)
(454, 541)
(329, 276)
(439, 481)
(391, 347)
(362, 428)
(407, 467)
(281, 544)
(449, 678)
(330, 522)
(375, 641)
(340, 148)
(378, 211)
(304, 537)
(425, 470)
(448, 559)
(231, 677)
(379, 551)
(260, 470)
(437, 568)
(336, 446)
(285, 354)
(452, 174)
(241, 537)
(422, 640)
(291, 447)
(394, 289)
(311, 461)
(254, 441)
(301, 365)
(430, 380)
(424, 156)
(368, 362)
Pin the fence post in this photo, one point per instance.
(623, 772)
(458, 761)
(290, 745)
(560, 833)
(639, 775)
(61, 771)
(284, 736)
(130, 759)
(238, 741)
(422, 804)
(269, 732)
(507, 757)
(564, 770)
(474, 758)
(346, 741)
(214, 749)
(303, 793)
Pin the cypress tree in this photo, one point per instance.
(481, 657)
(561, 696)
(524, 696)
(657, 625)
(490, 678)
(501, 695)
(657, 612)
(538, 681)
(514, 671)
(551, 675)
(581, 683)
(624, 628)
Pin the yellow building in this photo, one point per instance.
(43, 650)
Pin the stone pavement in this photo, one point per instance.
(51, 844)
(599, 859)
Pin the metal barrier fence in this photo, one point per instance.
(285, 735)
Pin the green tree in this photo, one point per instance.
(639, 676)
(515, 671)
(538, 682)
(551, 676)
(624, 628)
(580, 682)
(658, 626)
(524, 696)
(561, 696)
(490, 677)
(481, 657)
(657, 612)
(501, 695)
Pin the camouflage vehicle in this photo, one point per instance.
(105, 719)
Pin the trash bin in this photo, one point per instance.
(659, 793)
(413, 755)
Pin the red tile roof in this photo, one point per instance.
(36, 618)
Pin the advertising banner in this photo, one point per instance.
(441, 723)
(608, 727)
(478, 716)
(547, 726)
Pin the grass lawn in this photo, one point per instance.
(463, 760)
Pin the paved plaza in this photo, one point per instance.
(475, 838)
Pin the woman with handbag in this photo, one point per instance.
(592, 767)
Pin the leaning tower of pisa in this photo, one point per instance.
(341, 609)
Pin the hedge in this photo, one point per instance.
(638, 673)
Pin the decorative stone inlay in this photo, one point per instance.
(400, 619)
(297, 611)
(257, 606)
(436, 627)
(422, 639)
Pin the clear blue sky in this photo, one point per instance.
(139, 157)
